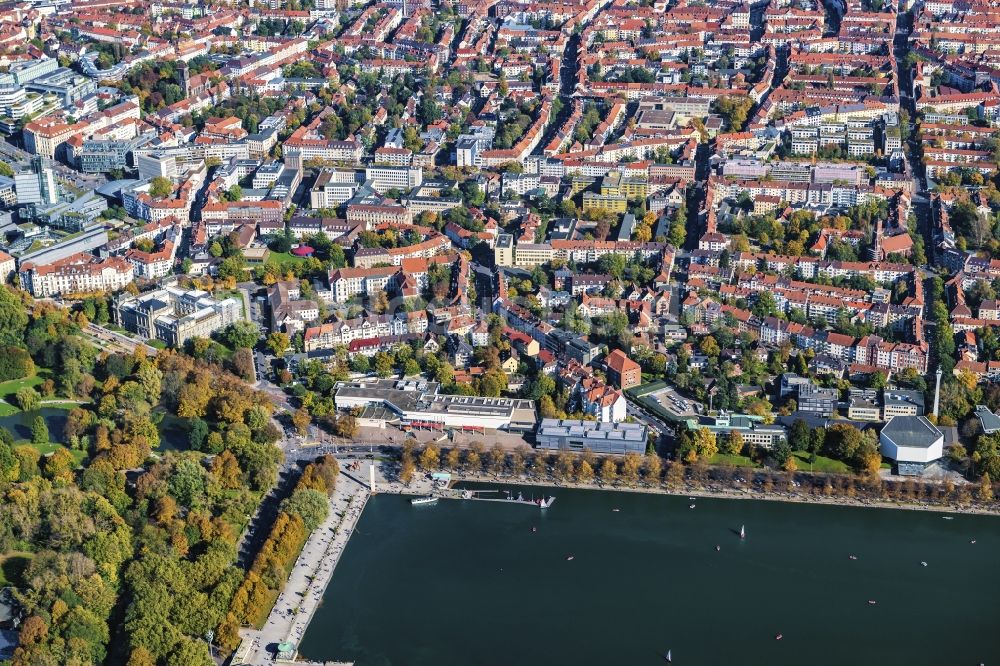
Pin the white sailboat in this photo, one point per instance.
(743, 532)
(668, 657)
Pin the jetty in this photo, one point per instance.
(478, 495)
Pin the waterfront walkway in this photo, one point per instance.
(303, 592)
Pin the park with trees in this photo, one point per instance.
(120, 543)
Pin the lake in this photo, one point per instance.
(19, 423)
(465, 582)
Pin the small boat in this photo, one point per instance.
(948, 517)
(668, 657)
(853, 557)
(690, 506)
(569, 558)
(428, 499)
(534, 529)
(615, 510)
(778, 637)
(973, 541)
(743, 532)
(872, 602)
(923, 564)
(718, 547)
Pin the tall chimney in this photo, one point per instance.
(937, 393)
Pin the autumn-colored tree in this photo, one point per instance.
(430, 458)
(166, 510)
(985, 492)
(497, 458)
(243, 364)
(652, 469)
(278, 343)
(33, 631)
(141, 657)
(226, 470)
(346, 426)
(194, 396)
(631, 464)
(734, 443)
(407, 470)
(564, 467)
(59, 465)
(675, 475)
(608, 471)
(301, 420)
(227, 636)
(473, 461)
(518, 460)
(584, 471)
(869, 460)
(453, 459)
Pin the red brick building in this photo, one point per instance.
(623, 372)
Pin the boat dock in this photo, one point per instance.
(477, 495)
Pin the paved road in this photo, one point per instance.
(115, 338)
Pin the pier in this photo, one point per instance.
(476, 495)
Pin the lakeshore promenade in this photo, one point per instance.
(311, 574)
(734, 493)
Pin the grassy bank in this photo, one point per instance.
(9, 388)
(12, 567)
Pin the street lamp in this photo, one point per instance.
(209, 637)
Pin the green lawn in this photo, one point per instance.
(12, 566)
(8, 389)
(46, 449)
(822, 464)
(62, 404)
(282, 258)
(729, 459)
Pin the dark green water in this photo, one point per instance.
(19, 423)
(470, 583)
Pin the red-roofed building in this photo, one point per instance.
(623, 371)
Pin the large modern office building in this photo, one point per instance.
(418, 403)
(575, 435)
(752, 428)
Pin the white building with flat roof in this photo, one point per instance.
(912, 441)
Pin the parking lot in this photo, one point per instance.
(676, 406)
